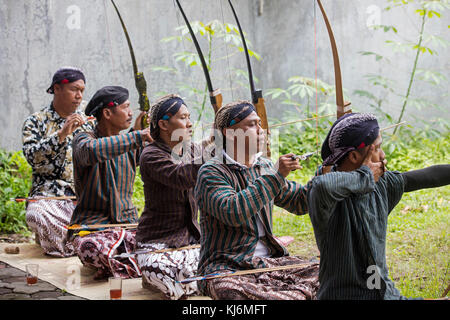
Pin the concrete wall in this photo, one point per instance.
(39, 36)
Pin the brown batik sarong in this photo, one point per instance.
(161, 271)
(97, 250)
(48, 220)
(293, 284)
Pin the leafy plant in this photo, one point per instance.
(15, 180)
(424, 44)
(223, 42)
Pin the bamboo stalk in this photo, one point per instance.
(98, 226)
(84, 232)
(29, 199)
(244, 272)
(131, 254)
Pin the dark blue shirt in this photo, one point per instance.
(349, 213)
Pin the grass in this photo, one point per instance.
(418, 245)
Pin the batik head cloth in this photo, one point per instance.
(233, 113)
(109, 96)
(66, 75)
(163, 109)
(351, 132)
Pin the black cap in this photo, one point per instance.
(66, 75)
(108, 96)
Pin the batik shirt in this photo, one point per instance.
(170, 213)
(232, 198)
(349, 213)
(49, 158)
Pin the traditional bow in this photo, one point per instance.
(257, 98)
(141, 84)
(342, 107)
(214, 95)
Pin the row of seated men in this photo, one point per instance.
(210, 204)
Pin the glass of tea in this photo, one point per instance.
(115, 288)
(32, 273)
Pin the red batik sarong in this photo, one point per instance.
(97, 250)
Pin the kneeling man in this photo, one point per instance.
(104, 169)
(349, 209)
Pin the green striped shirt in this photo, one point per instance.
(349, 213)
(230, 198)
(104, 172)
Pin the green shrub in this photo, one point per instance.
(15, 181)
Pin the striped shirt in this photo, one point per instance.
(231, 198)
(104, 172)
(170, 213)
(349, 213)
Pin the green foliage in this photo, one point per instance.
(15, 181)
(138, 193)
(223, 41)
(418, 246)
(427, 12)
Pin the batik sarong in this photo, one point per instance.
(98, 249)
(292, 284)
(160, 271)
(48, 220)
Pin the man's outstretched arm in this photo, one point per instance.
(431, 177)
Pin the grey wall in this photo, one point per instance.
(38, 36)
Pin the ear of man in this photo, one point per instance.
(163, 125)
(106, 113)
(356, 157)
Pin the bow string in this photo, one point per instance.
(139, 79)
(256, 94)
(214, 94)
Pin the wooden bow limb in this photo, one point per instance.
(139, 79)
(302, 120)
(342, 107)
(34, 199)
(243, 272)
(99, 226)
(83, 233)
(132, 254)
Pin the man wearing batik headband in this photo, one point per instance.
(169, 167)
(104, 170)
(235, 192)
(47, 145)
(349, 209)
